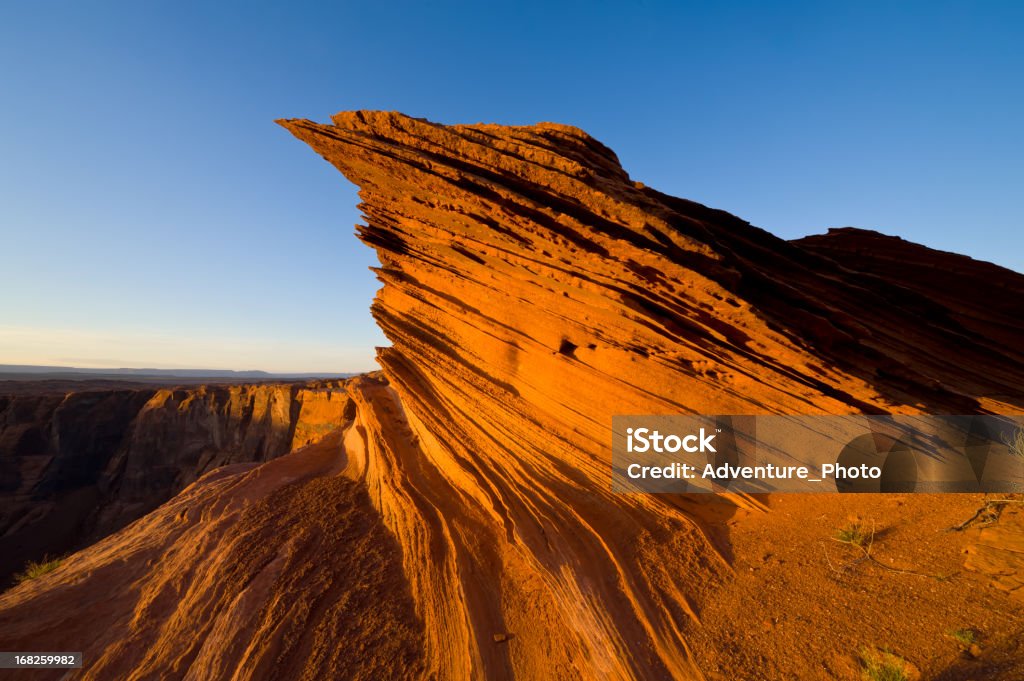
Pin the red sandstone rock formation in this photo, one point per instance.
(531, 291)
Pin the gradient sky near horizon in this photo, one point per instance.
(152, 214)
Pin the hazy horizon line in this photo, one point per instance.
(29, 369)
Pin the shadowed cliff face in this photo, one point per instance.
(984, 302)
(280, 571)
(531, 290)
(75, 467)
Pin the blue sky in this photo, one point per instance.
(152, 214)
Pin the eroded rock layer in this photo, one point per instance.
(531, 291)
(75, 466)
(275, 571)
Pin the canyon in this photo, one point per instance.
(451, 517)
(77, 463)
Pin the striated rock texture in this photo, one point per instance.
(280, 571)
(180, 434)
(74, 467)
(508, 249)
(531, 291)
(981, 300)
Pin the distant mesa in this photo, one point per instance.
(34, 372)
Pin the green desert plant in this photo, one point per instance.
(855, 533)
(967, 637)
(35, 569)
(878, 665)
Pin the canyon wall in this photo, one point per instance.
(74, 467)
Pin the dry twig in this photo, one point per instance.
(867, 557)
(986, 509)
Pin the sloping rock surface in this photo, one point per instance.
(531, 291)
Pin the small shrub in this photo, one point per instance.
(855, 533)
(35, 569)
(879, 665)
(967, 637)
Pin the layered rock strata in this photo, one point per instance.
(531, 290)
(74, 467)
